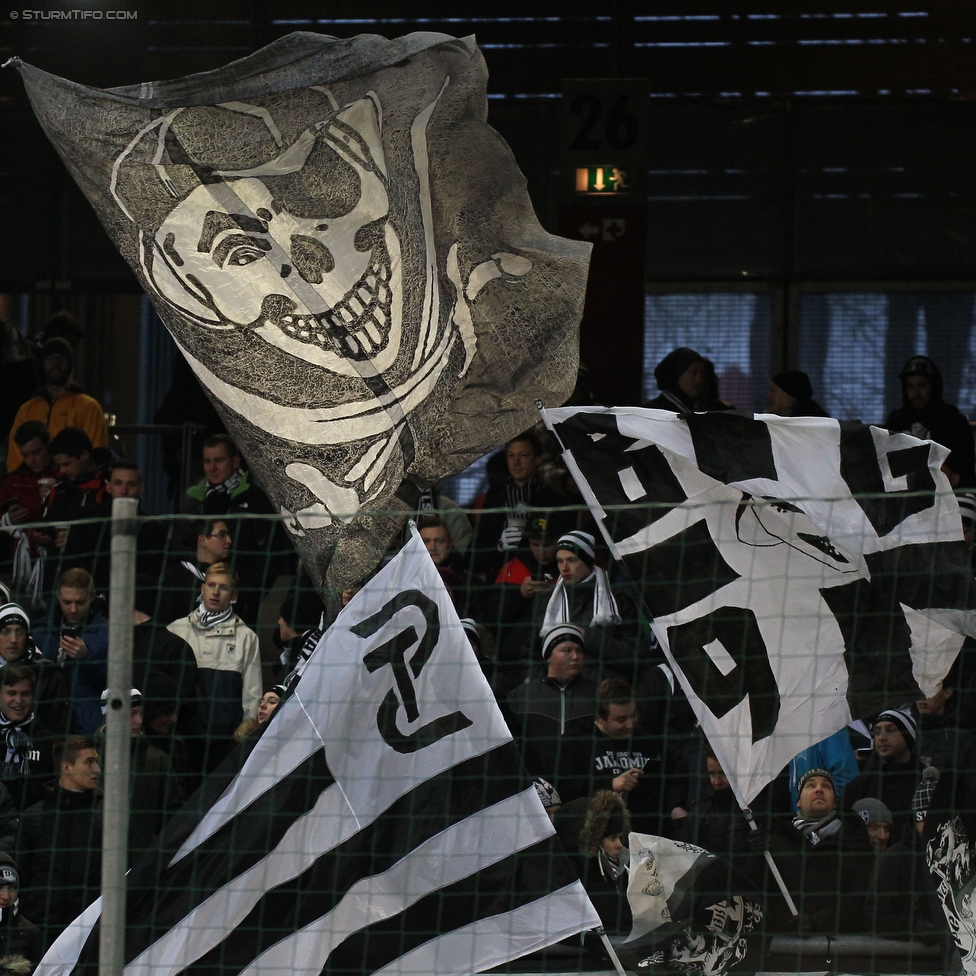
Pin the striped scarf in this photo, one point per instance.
(208, 619)
(604, 605)
(520, 496)
(816, 830)
(225, 487)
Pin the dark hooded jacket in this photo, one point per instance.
(937, 420)
(154, 791)
(824, 871)
(796, 383)
(667, 373)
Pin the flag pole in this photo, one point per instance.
(118, 738)
(614, 958)
(772, 864)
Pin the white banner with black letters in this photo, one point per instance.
(800, 572)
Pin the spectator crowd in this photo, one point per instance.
(601, 722)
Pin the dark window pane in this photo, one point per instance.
(732, 329)
(854, 344)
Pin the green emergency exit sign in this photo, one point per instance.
(601, 179)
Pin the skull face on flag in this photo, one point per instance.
(346, 256)
(224, 252)
(293, 253)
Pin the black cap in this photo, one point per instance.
(919, 366)
(58, 347)
(794, 383)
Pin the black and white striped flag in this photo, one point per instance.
(380, 824)
(800, 572)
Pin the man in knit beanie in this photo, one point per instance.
(555, 706)
(891, 773)
(821, 866)
(583, 596)
(894, 902)
(877, 819)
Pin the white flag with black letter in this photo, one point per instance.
(381, 822)
(800, 572)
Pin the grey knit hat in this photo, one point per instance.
(872, 811)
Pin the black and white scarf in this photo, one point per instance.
(611, 868)
(225, 487)
(16, 747)
(208, 619)
(604, 605)
(193, 568)
(816, 830)
(519, 497)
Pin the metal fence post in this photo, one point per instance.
(111, 958)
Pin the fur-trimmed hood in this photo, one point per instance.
(607, 814)
(15, 965)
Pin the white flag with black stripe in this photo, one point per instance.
(381, 823)
(800, 572)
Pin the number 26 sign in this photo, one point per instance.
(603, 133)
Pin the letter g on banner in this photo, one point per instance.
(737, 630)
(860, 467)
(394, 653)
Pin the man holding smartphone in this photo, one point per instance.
(618, 757)
(75, 635)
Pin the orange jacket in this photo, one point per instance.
(71, 409)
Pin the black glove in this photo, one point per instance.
(593, 944)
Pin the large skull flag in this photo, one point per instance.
(346, 255)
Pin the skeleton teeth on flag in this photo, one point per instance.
(800, 572)
(346, 255)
